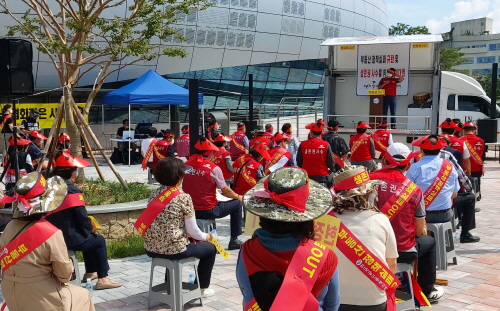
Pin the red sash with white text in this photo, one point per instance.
(301, 274)
(437, 185)
(71, 200)
(399, 199)
(25, 243)
(154, 209)
(474, 153)
(145, 160)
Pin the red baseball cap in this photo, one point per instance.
(261, 148)
(281, 137)
(68, 160)
(205, 144)
(315, 127)
(425, 143)
(470, 124)
(64, 137)
(20, 141)
(37, 134)
(362, 125)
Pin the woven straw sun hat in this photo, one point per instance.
(288, 195)
(352, 181)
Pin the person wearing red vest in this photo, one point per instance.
(280, 156)
(439, 198)
(7, 122)
(382, 138)
(269, 132)
(222, 158)
(248, 169)
(315, 156)
(239, 143)
(293, 144)
(160, 150)
(408, 221)
(362, 148)
(182, 143)
(259, 136)
(390, 85)
(145, 144)
(212, 130)
(448, 127)
(201, 182)
(476, 145)
(72, 219)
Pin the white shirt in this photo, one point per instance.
(374, 230)
(145, 146)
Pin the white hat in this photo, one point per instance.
(399, 148)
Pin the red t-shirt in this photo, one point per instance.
(390, 89)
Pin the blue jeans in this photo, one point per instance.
(390, 102)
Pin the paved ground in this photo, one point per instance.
(473, 284)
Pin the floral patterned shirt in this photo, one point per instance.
(166, 235)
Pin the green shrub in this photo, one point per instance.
(98, 192)
(127, 247)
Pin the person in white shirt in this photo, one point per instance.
(147, 142)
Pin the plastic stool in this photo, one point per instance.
(206, 225)
(173, 292)
(445, 247)
(77, 281)
(410, 303)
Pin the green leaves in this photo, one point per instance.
(450, 57)
(403, 29)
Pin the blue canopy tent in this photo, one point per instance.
(149, 89)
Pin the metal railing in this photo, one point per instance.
(413, 125)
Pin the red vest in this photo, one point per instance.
(198, 183)
(269, 135)
(362, 152)
(314, 153)
(477, 144)
(403, 223)
(237, 145)
(262, 139)
(391, 88)
(247, 178)
(220, 161)
(276, 155)
(160, 150)
(182, 144)
(381, 137)
(457, 144)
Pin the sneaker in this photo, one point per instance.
(436, 294)
(234, 244)
(207, 292)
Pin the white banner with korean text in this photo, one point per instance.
(374, 62)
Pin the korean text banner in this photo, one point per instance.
(47, 113)
(374, 62)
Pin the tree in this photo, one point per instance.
(403, 29)
(84, 36)
(485, 82)
(451, 57)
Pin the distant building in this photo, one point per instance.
(478, 42)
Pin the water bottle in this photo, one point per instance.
(88, 285)
(191, 279)
(456, 237)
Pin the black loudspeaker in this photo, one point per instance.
(16, 67)
(250, 125)
(487, 130)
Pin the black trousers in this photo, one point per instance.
(478, 175)
(466, 206)
(204, 251)
(94, 255)
(426, 254)
(380, 307)
(222, 209)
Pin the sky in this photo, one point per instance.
(438, 15)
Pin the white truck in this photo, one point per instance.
(425, 98)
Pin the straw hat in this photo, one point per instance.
(35, 195)
(353, 181)
(288, 195)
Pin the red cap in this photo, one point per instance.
(320, 121)
(20, 141)
(64, 137)
(383, 124)
(185, 131)
(315, 127)
(269, 129)
(205, 144)
(221, 137)
(470, 124)
(168, 134)
(262, 149)
(281, 137)
(363, 125)
(37, 134)
(448, 124)
(425, 143)
(67, 160)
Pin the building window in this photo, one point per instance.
(486, 59)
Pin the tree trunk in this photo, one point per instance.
(73, 131)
